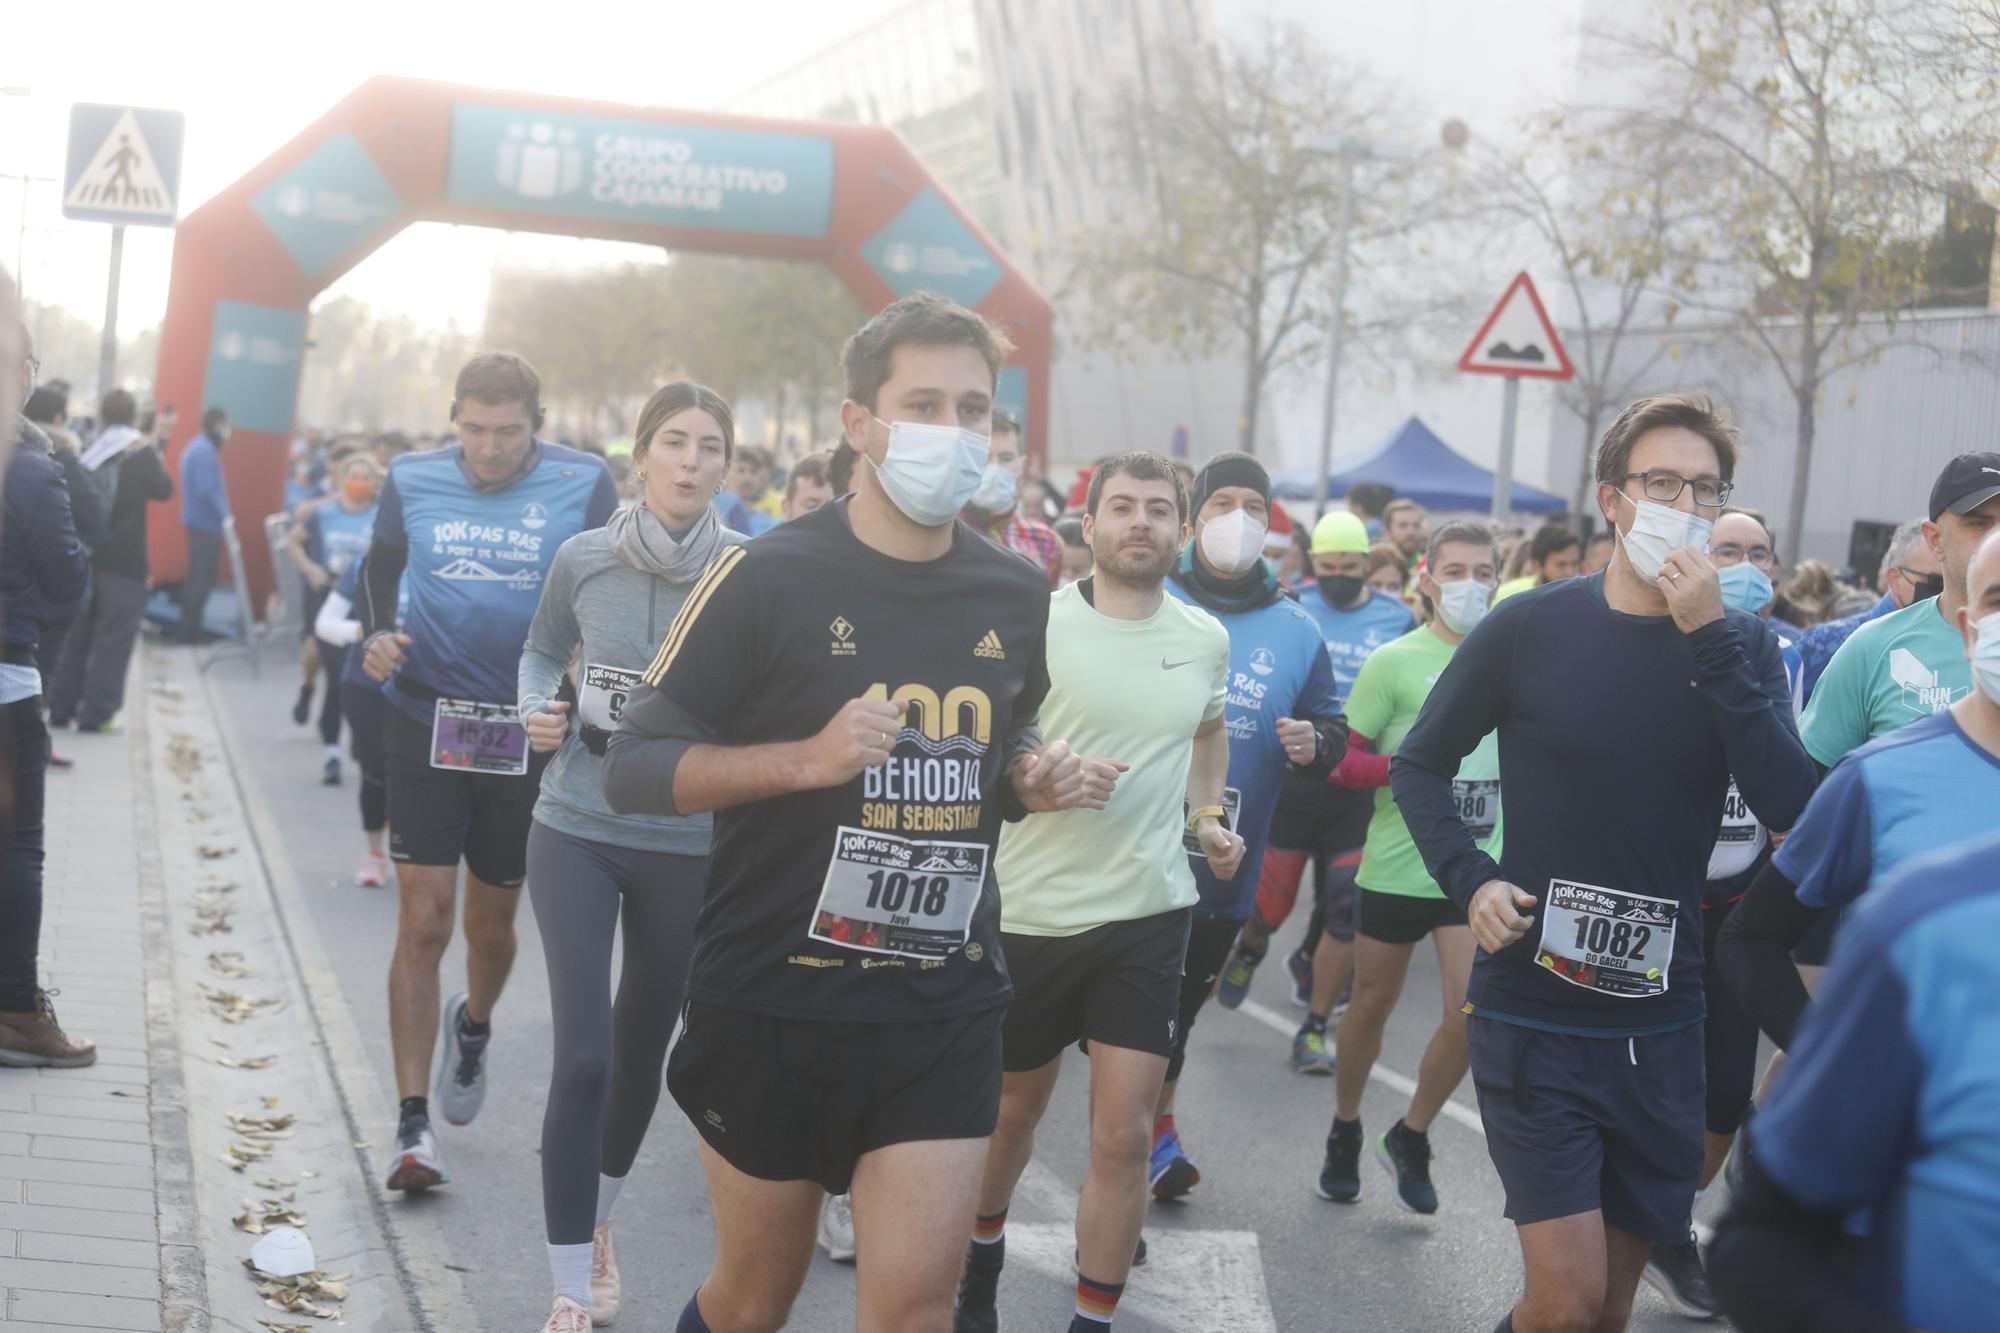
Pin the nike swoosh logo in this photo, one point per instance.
(1165, 665)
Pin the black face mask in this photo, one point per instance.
(1339, 590)
(1927, 587)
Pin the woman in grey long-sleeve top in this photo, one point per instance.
(610, 597)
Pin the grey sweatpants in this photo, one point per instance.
(89, 681)
(608, 1054)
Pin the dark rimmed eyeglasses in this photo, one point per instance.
(1666, 487)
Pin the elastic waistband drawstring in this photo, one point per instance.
(1632, 1049)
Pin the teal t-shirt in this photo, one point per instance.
(1385, 701)
(1904, 666)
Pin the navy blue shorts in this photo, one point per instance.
(1575, 1124)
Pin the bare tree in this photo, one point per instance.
(1613, 225)
(1234, 253)
(1807, 137)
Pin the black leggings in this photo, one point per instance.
(363, 706)
(608, 1056)
(1209, 941)
(332, 660)
(1730, 1034)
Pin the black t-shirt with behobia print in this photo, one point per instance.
(873, 901)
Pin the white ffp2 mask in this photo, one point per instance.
(1232, 543)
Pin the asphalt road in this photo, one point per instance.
(1253, 1247)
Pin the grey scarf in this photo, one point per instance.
(643, 542)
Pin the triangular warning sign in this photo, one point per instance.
(1517, 338)
(122, 175)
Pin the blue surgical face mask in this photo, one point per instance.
(1462, 603)
(929, 472)
(1745, 587)
(996, 490)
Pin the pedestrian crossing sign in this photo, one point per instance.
(124, 165)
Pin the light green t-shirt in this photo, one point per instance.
(1385, 701)
(1134, 691)
(1512, 586)
(1892, 671)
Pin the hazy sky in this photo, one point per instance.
(247, 85)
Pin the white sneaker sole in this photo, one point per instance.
(413, 1175)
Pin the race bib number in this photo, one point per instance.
(468, 737)
(1232, 801)
(1604, 940)
(601, 694)
(1739, 841)
(909, 897)
(1478, 804)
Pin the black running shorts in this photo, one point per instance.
(437, 816)
(1575, 1124)
(794, 1099)
(1402, 918)
(1119, 984)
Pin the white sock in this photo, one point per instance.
(569, 1265)
(607, 1194)
(333, 752)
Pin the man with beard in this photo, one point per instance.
(1095, 905)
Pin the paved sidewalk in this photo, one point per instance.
(97, 1225)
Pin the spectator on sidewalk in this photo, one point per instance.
(42, 414)
(42, 565)
(204, 505)
(126, 474)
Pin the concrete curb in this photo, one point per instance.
(432, 1285)
(183, 1275)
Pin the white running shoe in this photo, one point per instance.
(603, 1277)
(836, 1228)
(461, 1068)
(417, 1166)
(567, 1317)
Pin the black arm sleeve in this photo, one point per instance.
(1775, 1269)
(1755, 953)
(1332, 733)
(641, 756)
(381, 571)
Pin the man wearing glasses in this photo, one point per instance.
(1746, 568)
(1624, 701)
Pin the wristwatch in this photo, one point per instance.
(1205, 812)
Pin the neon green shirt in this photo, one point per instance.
(1904, 666)
(1512, 586)
(1134, 691)
(1385, 701)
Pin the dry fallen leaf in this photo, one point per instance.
(247, 1062)
(209, 853)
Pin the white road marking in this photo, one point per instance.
(1199, 1281)
(1389, 1078)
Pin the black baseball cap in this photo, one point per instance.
(1966, 483)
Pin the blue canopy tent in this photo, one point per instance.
(1422, 468)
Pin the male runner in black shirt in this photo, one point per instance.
(851, 885)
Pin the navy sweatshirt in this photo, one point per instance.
(1618, 736)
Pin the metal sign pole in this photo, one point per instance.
(107, 351)
(1503, 471)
